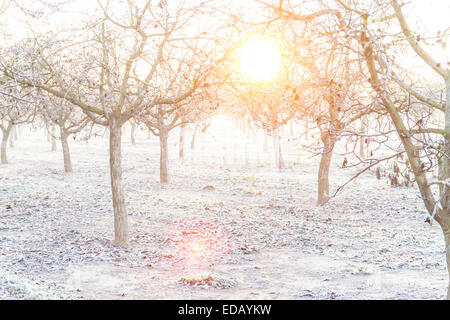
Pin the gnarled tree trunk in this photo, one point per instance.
(446, 174)
(277, 148)
(194, 136)
(323, 194)
(181, 142)
(53, 138)
(132, 133)
(118, 196)
(441, 216)
(163, 155)
(362, 139)
(65, 150)
(447, 255)
(6, 131)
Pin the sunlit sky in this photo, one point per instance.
(430, 17)
(424, 17)
(260, 58)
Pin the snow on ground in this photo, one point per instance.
(252, 227)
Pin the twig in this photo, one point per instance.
(362, 171)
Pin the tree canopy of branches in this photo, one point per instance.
(115, 68)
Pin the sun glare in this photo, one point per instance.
(259, 59)
(197, 246)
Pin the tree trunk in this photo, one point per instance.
(361, 140)
(447, 255)
(277, 148)
(66, 151)
(194, 134)
(6, 131)
(441, 216)
(149, 134)
(53, 138)
(118, 196)
(11, 137)
(163, 156)
(181, 142)
(445, 190)
(323, 184)
(132, 132)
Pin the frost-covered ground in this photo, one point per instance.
(254, 229)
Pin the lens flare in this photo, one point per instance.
(195, 242)
(197, 246)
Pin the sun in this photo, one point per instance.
(259, 59)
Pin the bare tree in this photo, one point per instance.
(368, 24)
(15, 109)
(111, 70)
(69, 119)
(378, 68)
(160, 119)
